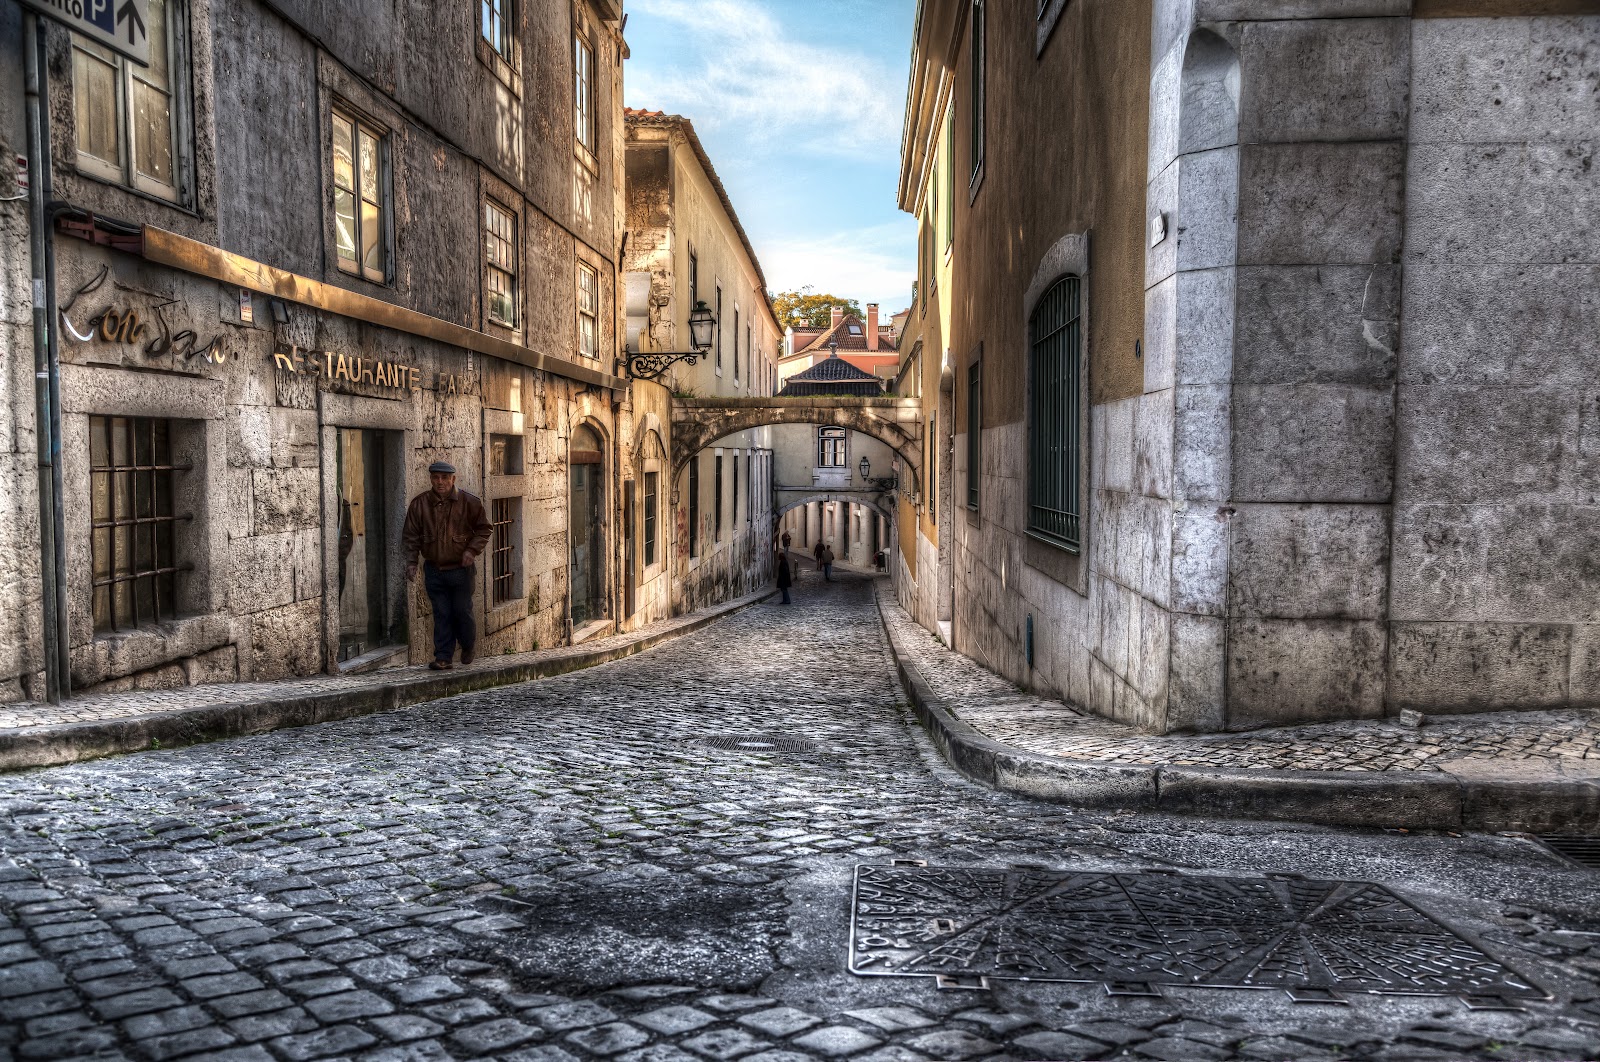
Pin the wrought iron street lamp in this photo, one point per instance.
(889, 482)
(702, 332)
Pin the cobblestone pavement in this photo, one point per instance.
(1560, 742)
(573, 870)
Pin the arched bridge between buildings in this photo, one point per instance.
(880, 502)
(895, 422)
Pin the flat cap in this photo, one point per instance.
(442, 466)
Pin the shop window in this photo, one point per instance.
(716, 499)
(505, 554)
(588, 311)
(1054, 412)
(500, 253)
(133, 522)
(652, 496)
(583, 96)
(505, 455)
(830, 447)
(496, 18)
(360, 197)
(133, 121)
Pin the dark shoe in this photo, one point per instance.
(466, 657)
(440, 665)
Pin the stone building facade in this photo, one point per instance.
(1264, 380)
(315, 255)
(687, 247)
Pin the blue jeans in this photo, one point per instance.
(827, 572)
(451, 594)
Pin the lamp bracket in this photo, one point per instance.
(650, 366)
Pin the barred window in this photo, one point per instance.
(360, 198)
(974, 432)
(830, 447)
(131, 120)
(652, 489)
(497, 26)
(503, 548)
(500, 250)
(1055, 340)
(588, 311)
(133, 522)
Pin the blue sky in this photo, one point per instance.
(799, 104)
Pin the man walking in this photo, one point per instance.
(827, 562)
(451, 530)
(785, 575)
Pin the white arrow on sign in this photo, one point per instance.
(121, 25)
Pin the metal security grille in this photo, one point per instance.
(1054, 410)
(503, 522)
(132, 521)
(974, 432)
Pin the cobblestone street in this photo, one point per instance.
(594, 867)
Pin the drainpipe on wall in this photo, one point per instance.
(47, 384)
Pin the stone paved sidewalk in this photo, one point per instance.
(34, 734)
(1564, 742)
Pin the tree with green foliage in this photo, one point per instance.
(807, 309)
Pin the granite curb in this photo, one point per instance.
(53, 746)
(1416, 800)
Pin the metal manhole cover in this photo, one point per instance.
(1585, 851)
(1152, 928)
(760, 743)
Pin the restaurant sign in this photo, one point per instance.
(373, 372)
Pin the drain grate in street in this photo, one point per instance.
(1147, 928)
(760, 743)
(1584, 851)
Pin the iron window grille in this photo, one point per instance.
(830, 447)
(652, 488)
(500, 251)
(694, 506)
(1054, 415)
(360, 198)
(978, 59)
(133, 524)
(502, 524)
(133, 121)
(588, 311)
(716, 498)
(974, 432)
(497, 26)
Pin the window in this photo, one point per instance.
(978, 59)
(719, 327)
(694, 280)
(950, 179)
(652, 488)
(733, 512)
(129, 117)
(974, 432)
(830, 447)
(694, 506)
(933, 202)
(588, 311)
(933, 472)
(1054, 338)
(736, 346)
(505, 455)
(503, 521)
(360, 200)
(583, 94)
(716, 500)
(497, 26)
(500, 251)
(749, 354)
(132, 522)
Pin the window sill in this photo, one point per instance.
(503, 69)
(172, 204)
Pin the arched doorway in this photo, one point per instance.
(586, 495)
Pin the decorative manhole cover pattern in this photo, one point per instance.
(1161, 929)
(760, 743)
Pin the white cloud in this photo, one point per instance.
(875, 264)
(816, 98)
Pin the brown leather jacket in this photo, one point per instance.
(443, 528)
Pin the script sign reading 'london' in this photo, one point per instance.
(121, 25)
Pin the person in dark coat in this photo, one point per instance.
(827, 562)
(449, 528)
(785, 576)
(816, 551)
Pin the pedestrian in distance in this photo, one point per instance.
(816, 551)
(450, 529)
(827, 562)
(785, 540)
(785, 576)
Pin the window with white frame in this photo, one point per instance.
(132, 121)
(360, 197)
(500, 253)
(583, 94)
(830, 447)
(588, 311)
(736, 344)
